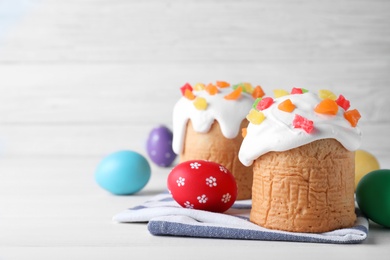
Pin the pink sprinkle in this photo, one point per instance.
(264, 103)
(342, 102)
(304, 123)
(296, 91)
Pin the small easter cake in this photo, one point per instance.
(207, 123)
(301, 146)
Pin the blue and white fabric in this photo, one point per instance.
(167, 218)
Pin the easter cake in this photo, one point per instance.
(301, 147)
(207, 123)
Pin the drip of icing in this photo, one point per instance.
(276, 132)
(228, 113)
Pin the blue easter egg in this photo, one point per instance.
(159, 146)
(123, 172)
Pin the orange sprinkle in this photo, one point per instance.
(352, 116)
(258, 92)
(286, 106)
(327, 106)
(222, 84)
(235, 94)
(189, 95)
(243, 132)
(211, 89)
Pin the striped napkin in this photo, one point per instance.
(166, 217)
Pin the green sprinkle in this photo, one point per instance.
(254, 106)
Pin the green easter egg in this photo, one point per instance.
(373, 196)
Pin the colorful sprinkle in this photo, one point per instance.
(185, 87)
(199, 86)
(342, 102)
(352, 116)
(235, 94)
(200, 103)
(303, 123)
(256, 102)
(244, 132)
(264, 103)
(280, 93)
(327, 106)
(246, 87)
(211, 89)
(189, 95)
(255, 117)
(324, 93)
(296, 91)
(287, 106)
(258, 92)
(222, 84)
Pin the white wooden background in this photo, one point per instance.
(79, 77)
(82, 78)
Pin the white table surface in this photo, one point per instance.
(61, 213)
(82, 79)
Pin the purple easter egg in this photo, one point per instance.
(159, 146)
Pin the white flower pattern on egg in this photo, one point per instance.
(222, 169)
(226, 198)
(202, 199)
(211, 181)
(188, 205)
(181, 181)
(195, 165)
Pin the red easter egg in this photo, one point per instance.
(203, 185)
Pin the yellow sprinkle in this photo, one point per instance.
(247, 87)
(255, 117)
(324, 93)
(199, 86)
(200, 103)
(280, 93)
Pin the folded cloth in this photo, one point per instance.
(166, 217)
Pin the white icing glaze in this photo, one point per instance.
(228, 113)
(276, 132)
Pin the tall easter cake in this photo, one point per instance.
(301, 146)
(207, 123)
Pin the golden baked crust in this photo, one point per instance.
(213, 146)
(306, 189)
